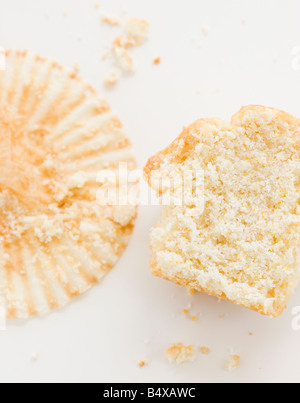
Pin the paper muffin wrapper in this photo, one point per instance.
(56, 135)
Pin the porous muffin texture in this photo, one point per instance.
(241, 242)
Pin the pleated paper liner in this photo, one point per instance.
(56, 135)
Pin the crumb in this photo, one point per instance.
(194, 318)
(157, 60)
(205, 30)
(233, 362)
(35, 356)
(137, 29)
(97, 5)
(110, 20)
(221, 316)
(185, 311)
(123, 59)
(179, 353)
(111, 79)
(142, 364)
(205, 350)
(136, 33)
(250, 334)
(192, 291)
(124, 41)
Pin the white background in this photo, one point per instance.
(246, 58)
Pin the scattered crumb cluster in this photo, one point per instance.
(191, 317)
(186, 312)
(233, 362)
(135, 33)
(180, 353)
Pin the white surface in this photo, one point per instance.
(100, 337)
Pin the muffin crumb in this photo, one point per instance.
(233, 363)
(110, 20)
(142, 363)
(205, 350)
(135, 33)
(137, 29)
(111, 79)
(179, 353)
(192, 291)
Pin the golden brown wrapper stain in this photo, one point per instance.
(38, 189)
